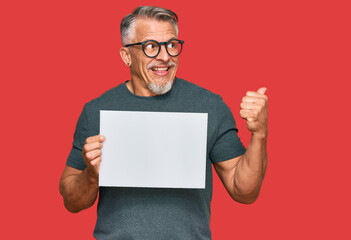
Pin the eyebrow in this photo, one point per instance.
(156, 40)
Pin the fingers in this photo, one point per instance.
(96, 161)
(96, 138)
(249, 106)
(262, 90)
(249, 103)
(91, 146)
(92, 150)
(249, 115)
(254, 110)
(256, 97)
(259, 94)
(91, 155)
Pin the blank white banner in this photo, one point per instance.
(153, 149)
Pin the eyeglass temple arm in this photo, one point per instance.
(133, 44)
(161, 43)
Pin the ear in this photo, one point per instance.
(125, 55)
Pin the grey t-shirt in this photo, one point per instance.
(159, 213)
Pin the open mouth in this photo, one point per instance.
(160, 71)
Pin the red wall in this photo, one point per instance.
(57, 55)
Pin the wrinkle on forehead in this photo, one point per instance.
(151, 29)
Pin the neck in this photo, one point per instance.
(136, 89)
(141, 89)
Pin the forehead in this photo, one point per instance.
(151, 29)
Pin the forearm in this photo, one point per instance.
(250, 170)
(79, 191)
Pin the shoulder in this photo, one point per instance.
(198, 91)
(208, 101)
(105, 98)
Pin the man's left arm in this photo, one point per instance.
(242, 176)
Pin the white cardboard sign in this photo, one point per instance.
(153, 149)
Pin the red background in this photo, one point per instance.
(57, 55)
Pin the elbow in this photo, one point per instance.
(66, 202)
(70, 206)
(71, 209)
(61, 188)
(246, 194)
(73, 205)
(245, 198)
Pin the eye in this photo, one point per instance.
(151, 45)
(173, 44)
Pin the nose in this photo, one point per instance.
(163, 55)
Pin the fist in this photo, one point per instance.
(92, 153)
(254, 108)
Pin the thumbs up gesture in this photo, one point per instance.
(254, 108)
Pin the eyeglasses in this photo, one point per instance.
(152, 48)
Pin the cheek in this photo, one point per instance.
(139, 59)
(176, 60)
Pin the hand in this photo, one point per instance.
(92, 154)
(254, 108)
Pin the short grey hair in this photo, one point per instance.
(157, 13)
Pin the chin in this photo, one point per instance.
(161, 88)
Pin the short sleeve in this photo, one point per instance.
(227, 144)
(75, 158)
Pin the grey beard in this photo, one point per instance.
(157, 89)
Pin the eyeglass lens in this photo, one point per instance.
(151, 48)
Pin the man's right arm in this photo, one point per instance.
(79, 188)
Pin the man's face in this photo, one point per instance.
(156, 74)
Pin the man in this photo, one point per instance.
(151, 50)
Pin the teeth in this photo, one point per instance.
(160, 69)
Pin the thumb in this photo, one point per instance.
(262, 90)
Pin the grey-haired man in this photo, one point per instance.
(151, 51)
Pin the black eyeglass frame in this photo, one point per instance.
(159, 46)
